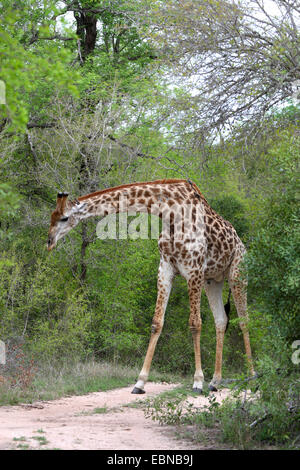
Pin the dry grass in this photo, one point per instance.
(54, 380)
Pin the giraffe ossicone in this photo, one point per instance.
(195, 242)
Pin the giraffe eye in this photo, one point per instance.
(64, 219)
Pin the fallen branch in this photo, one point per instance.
(32, 125)
(241, 381)
(259, 420)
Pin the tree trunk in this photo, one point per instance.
(84, 244)
(86, 31)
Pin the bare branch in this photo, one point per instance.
(259, 420)
(36, 38)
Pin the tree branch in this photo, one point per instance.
(36, 38)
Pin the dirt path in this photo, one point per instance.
(98, 420)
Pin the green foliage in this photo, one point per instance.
(267, 412)
(9, 200)
(272, 414)
(274, 257)
(40, 306)
(32, 72)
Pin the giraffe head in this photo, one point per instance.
(62, 219)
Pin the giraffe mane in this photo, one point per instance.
(143, 183)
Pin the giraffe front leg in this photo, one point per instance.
(194, 288)
(164, 285)
(156, 328)
(198, 376)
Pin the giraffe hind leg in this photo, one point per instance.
(238, 286)
(213, 290)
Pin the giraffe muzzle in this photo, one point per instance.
(50, 244)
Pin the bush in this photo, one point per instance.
(273, 262)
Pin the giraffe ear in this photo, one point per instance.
(61, 202)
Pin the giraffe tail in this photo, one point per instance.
(227, 309)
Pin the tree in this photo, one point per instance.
(274, 255)
(239, 59)
(30, 69)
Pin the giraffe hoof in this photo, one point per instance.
(138, 391)
(197, 390)
(212, 388)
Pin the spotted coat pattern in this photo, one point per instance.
(195, 242)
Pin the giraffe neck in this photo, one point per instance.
(159, 198)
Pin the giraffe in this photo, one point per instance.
(195, 242)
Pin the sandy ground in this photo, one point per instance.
(72, 423)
